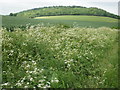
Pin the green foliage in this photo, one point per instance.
(65, 10)
(11, 14)
(58, 57)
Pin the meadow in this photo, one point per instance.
(59, 57)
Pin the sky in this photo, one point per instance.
(14, 6)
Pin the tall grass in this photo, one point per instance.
(56, 57)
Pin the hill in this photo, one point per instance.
(64, 10)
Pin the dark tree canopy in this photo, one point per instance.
(11, 14)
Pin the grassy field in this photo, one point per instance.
(80, 18)
(11, 22)
(81, 21)
(57, 57)
(60, 52)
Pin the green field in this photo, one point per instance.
(81, 21)
(67, 21)
(80, 18)
(70, 51)
(11, 21)
(52, 57)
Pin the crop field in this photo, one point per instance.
(81, 20)
(18, 22)
(58, 57)
(11, 22)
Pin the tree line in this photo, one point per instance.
(64, 10)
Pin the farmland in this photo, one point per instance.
(11, 22)
(60, 47)
(81, 20)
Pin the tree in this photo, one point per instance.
(11, 14)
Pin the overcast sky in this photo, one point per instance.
(13, 6)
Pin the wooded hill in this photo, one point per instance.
(64, 10)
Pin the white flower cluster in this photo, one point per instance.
(32, 56)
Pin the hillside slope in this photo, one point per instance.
(64, 10)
